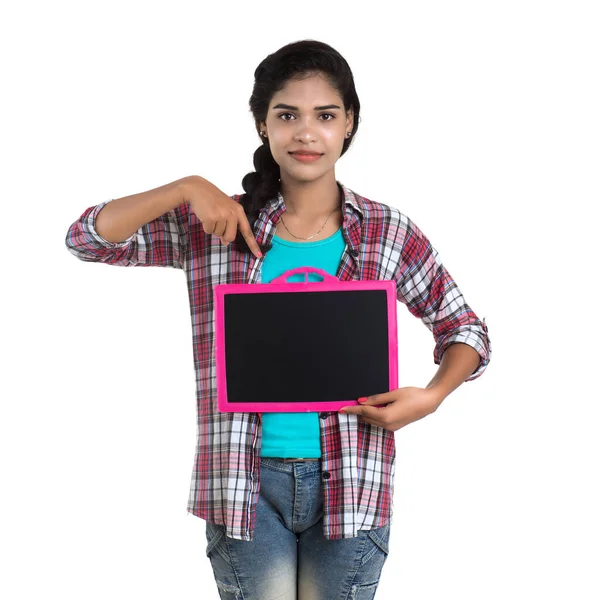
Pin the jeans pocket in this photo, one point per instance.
(374, 557)
(215, 537)
(381, 542)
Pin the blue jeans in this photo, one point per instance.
(288, 557)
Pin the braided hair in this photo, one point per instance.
(295, 61)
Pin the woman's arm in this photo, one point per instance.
(145, 229)
(458, 363)
(462, 343)
(397, 408)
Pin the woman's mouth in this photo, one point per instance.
(305, 157)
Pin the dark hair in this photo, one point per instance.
(294, 61)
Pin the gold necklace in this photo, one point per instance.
(314, 235)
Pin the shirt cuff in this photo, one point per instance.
(476, 336)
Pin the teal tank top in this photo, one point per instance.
(286, 434)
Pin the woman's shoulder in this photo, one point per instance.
(375, 209)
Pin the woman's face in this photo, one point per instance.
(306, 126)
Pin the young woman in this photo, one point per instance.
(296, 504)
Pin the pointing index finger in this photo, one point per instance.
(244, 227)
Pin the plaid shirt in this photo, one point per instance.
(358, 459)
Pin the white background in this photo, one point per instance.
(476, 122)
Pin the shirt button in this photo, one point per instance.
(324, 415)
(326, 475)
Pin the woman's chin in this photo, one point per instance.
(303, 173)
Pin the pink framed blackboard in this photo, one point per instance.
(304, 346)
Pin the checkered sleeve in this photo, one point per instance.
(162, 242)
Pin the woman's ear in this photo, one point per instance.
(350, 120)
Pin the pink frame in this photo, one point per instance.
(280, 284)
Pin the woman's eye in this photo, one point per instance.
(291, 114)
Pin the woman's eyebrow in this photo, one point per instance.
(289, 107)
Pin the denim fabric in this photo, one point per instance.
(289, 558)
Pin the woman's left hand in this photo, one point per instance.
(393, 410)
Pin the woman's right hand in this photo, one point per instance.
(219, 214)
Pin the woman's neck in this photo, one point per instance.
(307, 203)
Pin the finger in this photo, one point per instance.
(208, 226)
(373, 419)
(369, 412)
(231, 231)
(375, 422)
(219, 229)
(377, 399)
(244, 227)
